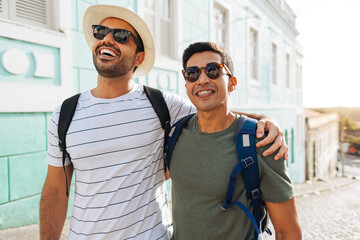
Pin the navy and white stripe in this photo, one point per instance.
(116, 149)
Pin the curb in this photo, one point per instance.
(320, 185)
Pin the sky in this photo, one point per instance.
(330, 38)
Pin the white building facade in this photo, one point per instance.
(322, 144)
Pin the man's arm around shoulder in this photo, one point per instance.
(54, 202)
(285, 220)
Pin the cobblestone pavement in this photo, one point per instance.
(333, 214)
(330, 209)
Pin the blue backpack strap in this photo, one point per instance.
(173, 137)
(246, 149)
(248, 164)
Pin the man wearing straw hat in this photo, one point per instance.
(115, 141)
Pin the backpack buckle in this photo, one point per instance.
(224, 206)
(61, 146)
(247, 161)
(255, 193)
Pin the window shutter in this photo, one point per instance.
(34, 12)
(165, 39)
(165, 16)
(150, 20)
(1, 8)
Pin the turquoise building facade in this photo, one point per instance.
(44, 59)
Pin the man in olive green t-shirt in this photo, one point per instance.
(205, 155)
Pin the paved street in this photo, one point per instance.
(352, 165)
(332, 214)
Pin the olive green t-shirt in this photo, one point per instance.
(201, 164)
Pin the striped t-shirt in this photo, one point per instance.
(116, 148)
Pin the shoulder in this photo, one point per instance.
(178, 106)
(84, 97)
(186, 121)
(173, 98)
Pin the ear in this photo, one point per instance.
(232, 84)
(139, 58)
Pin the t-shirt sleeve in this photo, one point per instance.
(54, 155)
(178, 106)
(275, 183)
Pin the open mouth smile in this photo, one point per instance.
(203, 93)
(107, 52)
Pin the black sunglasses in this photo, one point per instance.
(213, 70)
(119, 35)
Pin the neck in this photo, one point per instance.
(215, 121)
(112, 87)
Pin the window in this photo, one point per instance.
(287, 143)
(31, 12)
(220, 23)
(273, 64)
(300, 130)
(158, 14)
(292, 146)
(287, 70)
(42, 72)
(299, 76)
(253, 54)
(2, 14)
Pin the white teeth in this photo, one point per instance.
(204, 92)
(107, 51)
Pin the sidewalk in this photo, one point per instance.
(318, 186)
(31, 232)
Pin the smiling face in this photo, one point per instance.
(209, 94)
(113, 59)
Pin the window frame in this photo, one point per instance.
(254, 79)
(28, 97)
(10, 13)
(4, 5)
(225, 7)
(174, 26)
(292, 150)
(286, 135)
(287, 70)
(299, 76)
(274, 65)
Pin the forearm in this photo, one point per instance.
(284, 219)
(54, 202)
(296, 235)
(53, 208)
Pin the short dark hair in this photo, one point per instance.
(199, 47)
(139, 47)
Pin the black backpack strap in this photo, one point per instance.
(173, 137)
(66, 114)
(158, 103)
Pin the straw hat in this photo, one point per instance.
(95, 14)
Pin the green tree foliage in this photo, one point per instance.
(349, 123)
(353, 113)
